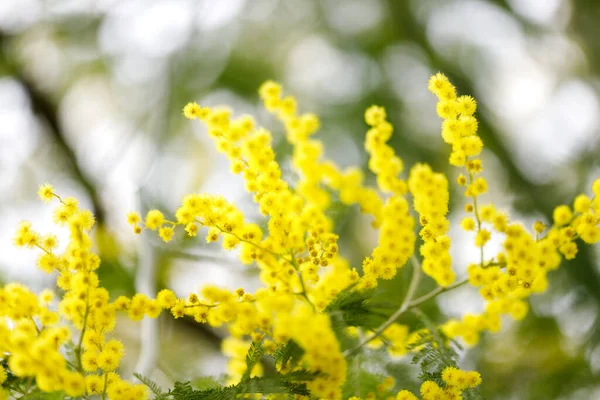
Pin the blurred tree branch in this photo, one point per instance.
(44, 107)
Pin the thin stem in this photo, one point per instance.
(145, 282)
(200, 305)
(356, 365)
(476, 212)
(40, 247)
(406, 303)
(36, 326)
(420, 300)
(105, 385)
(277, 255)
(303, 293)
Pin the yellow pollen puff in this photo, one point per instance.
(166, 233)
(439, 83)
(466, 105)
(468, 224)
(192, 110)
(539, 227)
(474, 166)
(133, 218)
(582, 203)
(406, 395)
(483, 236)
(447, 109)
(375, 115)
(154, 219)
(46, 192)
(562, 215)
(270, 90)
(596, 187)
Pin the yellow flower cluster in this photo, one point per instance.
(306, 152)
(298, 255)
(291, 217)
(459, 129)
(396, 226)
(460, 126)
(521, 269)
(34, 337)
(455, 382)
(430, 193)
(395, 245)
(313, 170)
(384, 162)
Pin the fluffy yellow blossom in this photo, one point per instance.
(154, 219)
(192, 111)
(405, 395)
(46, 192)
(375, 115)
(133, 218)
(468, 224)
(562, 215)
(166, 233)
(582, 203)
(483, 236)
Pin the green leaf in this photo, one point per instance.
(153, 386)
(290, 352)
(360, 382)
(206, 382)
(255, 353)
(433, 351)
(355, 308)
(290, 384)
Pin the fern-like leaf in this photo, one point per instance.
(432, 351)
(355, 308)
(253, 356)
(290, 352)
(153, 386)
(290, 384)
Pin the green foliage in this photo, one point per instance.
(355, 308)
(291, 384)
(206, 382)
(206, 388)
(153, 386)
(255, 353)
(434, 351)
(288, 353)
(360, 382)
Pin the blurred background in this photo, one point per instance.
(91, 93)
